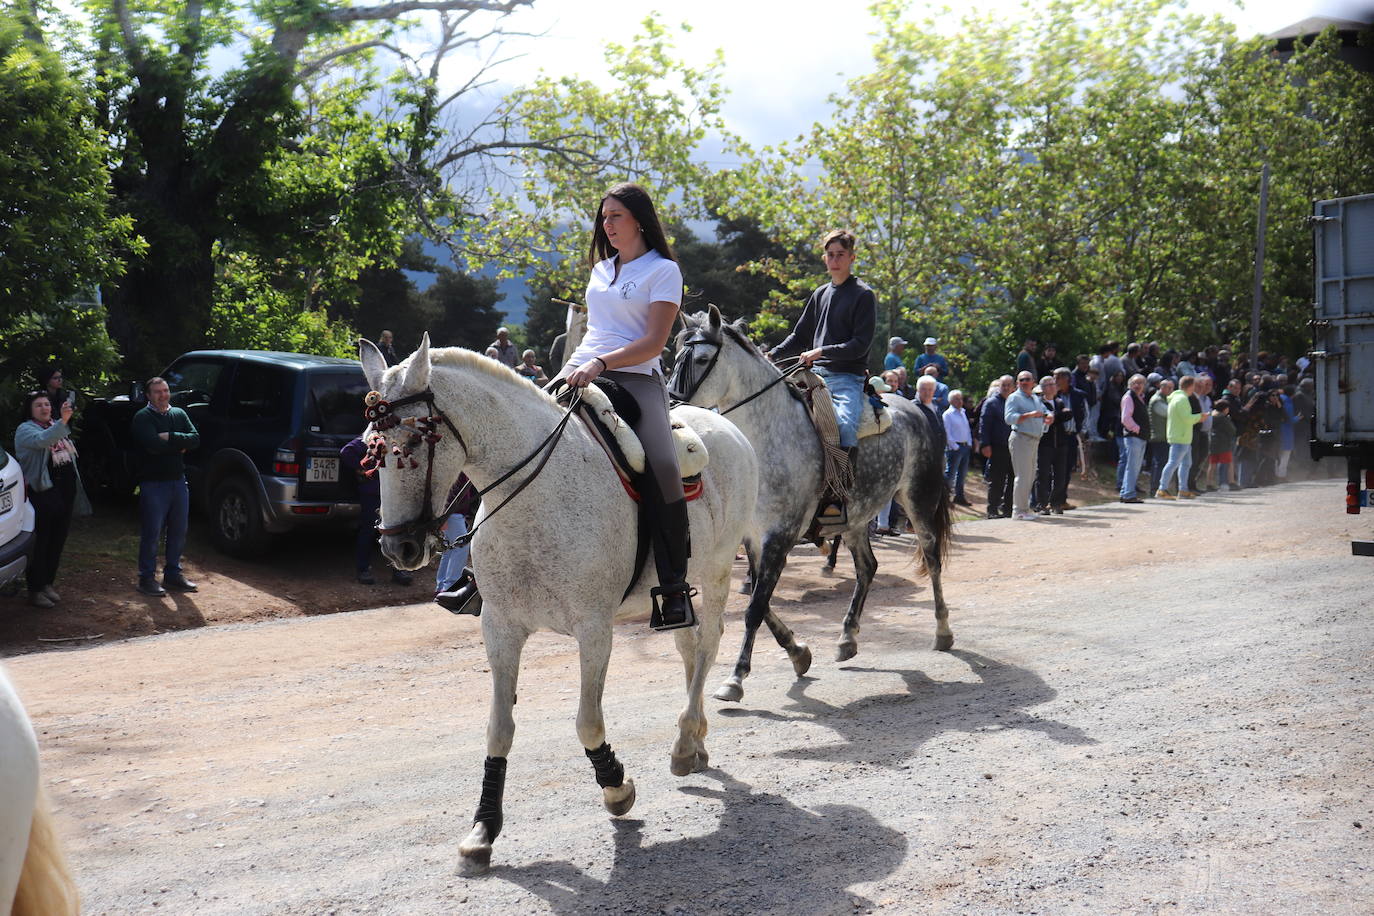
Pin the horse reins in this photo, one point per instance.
(381, 413)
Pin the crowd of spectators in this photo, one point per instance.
(1174, 424)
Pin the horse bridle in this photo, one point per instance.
(685, 382)
(381, 413)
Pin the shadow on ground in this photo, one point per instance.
(887, 729)
(762, 844)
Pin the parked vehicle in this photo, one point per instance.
(271, 426)
(1343, 344)
(16, 521)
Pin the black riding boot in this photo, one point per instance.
(672, 546)
(462, 596)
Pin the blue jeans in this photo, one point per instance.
(1135, 454)
(1159, 454)
(1121, 460)
(956, 468)
(847, 391)
(161, 503)
(452, 562)
(1181, 460)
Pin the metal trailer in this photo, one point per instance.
(1343, 344)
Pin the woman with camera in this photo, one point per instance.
(45, 451)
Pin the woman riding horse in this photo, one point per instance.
(632, 299)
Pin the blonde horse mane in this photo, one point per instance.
(45, 887)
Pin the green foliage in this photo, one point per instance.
(71, 335)
(57, 237)
(251, 314)
(1104, 152)
(1062, 321)
(278, 179)
(716, 271)
(580, 139)
(460, 311)
(544, 318)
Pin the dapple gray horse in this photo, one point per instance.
(718, 366)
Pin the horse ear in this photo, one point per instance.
(374, 364)
(417, 373)
(713, 319)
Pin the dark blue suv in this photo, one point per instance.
(271, 426)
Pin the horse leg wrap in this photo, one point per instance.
(609, 773)
(493, 787)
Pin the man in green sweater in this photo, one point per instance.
(1180, 435)
(162, 434)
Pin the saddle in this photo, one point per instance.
(605, 407)
(832, 516)
(607, 411)
(875, 420)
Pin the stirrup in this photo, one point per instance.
(462, 596)
(656, 621)
(829, 524)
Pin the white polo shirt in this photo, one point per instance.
(618, 307)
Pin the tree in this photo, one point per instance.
(579, 139)
(57, 237)
(1105, 153)
(221, 166)
(460, 310)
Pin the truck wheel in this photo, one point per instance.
(236, 520)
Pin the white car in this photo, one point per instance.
(16, 520)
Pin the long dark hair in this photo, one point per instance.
(641, 207)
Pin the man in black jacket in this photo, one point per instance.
(994, 433)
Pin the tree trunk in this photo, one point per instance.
(161, 306)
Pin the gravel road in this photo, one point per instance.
(1157, 708)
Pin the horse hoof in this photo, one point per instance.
(944, 642)
(683, 766)
(847, 649)
(619, 799)
(703, 760)
(732, 691)
(801, 659)
(474, 855)
(746, 587)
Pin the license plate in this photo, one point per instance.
(322, 470)
(6, 501)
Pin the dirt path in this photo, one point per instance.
(1150, 708)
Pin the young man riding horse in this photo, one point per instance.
(836, 330)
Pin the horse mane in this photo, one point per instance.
(470, 360)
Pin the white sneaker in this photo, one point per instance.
(1025, 516)
(38, 599)
(51, 593)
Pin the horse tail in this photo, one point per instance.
(932, 498)
(45, 887)
(934, 549)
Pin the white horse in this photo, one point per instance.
(34, 880)
(566, 563)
